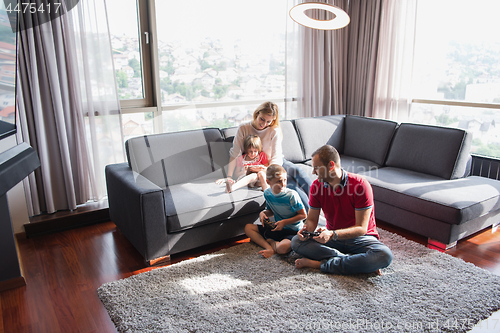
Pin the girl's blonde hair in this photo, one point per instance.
(268, 108)
(252, 141)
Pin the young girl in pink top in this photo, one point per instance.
(244, 171)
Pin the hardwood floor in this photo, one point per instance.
(63, 271)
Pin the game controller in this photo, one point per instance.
(309, 234)
(269, 223)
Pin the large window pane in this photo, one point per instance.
(125, 41)
(188, 117)
(221, 50)
(457, 51)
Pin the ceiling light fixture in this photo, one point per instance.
(298, 14)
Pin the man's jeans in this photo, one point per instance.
(364, 254)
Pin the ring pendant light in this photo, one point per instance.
(341, 19)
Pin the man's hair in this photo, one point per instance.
(252, 141)
(274, 170)
(327, 154)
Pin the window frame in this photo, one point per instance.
(151, 81)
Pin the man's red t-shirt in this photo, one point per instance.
(354, 193)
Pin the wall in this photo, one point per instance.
(15, 197)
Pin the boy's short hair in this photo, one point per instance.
(252, 141)
(274, 170)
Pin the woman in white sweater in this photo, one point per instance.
(265, 124)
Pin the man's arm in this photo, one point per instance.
(311, 222)
(359, 229)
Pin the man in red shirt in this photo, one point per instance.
(350, 243)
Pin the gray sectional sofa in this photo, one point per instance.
(165, 200)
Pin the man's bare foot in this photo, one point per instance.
(304, 262)
(378, 272)
(266, 253)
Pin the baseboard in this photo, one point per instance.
(12, 283)
(70, 220)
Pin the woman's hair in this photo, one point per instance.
(252, 141)
(268, 108)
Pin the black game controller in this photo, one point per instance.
(269, 223)
(309, 234)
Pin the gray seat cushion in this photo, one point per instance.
(357, 165)
(201, 201)
(452, 201)
(368, 138)
(433, 150)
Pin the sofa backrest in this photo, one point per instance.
(368, 138)
(173, 158)
(318, 131)
(440, 151)
(292, 149)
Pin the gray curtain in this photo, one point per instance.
(362, 55)
(324, 67)
(59, 98)
(338, 71)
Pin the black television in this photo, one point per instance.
(8, 52)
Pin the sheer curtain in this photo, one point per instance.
(68, 106)
(395, 60)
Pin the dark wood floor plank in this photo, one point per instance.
(64, 270)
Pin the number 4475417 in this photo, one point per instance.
(30, 7)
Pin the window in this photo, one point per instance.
(210, 63)
(456, 78)
(130, 42)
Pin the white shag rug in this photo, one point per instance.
(236, 290)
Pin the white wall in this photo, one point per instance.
(15, 196)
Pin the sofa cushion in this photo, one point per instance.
(201, 201)
(292, 150)
(357, 165)
(368, 138)
(433, 150)
(451, 201)
(316, 132)
(172, 158)
(229, 133)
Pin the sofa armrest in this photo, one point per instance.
(137, 207)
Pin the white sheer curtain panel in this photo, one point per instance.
(293, 66)
(392, 98)
(68, 106)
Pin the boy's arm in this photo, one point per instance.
(301, 215)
